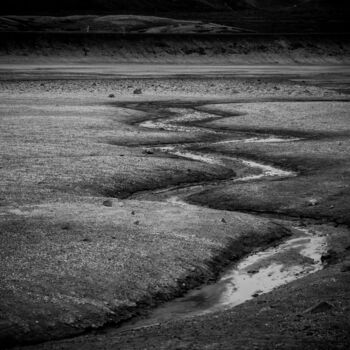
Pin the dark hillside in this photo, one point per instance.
(120, 6)
(153, 6)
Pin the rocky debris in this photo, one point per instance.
(312, 202)
(108, 203)
(330, 257)
(133, 212)
(147, 151)
(87, 240)
(137, 222)
(322, 306)
(66, 226)
(111, 96)
(223, 220)
(137, 91)
(345, 267)
(256, 294)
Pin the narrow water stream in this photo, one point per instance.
(258, 273)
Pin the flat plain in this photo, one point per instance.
(125, 186)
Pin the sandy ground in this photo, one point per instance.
(78, 253)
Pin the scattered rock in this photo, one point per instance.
(312, 202)
(111, 95)
(87, 240)
(256, 294)
(345, 267)
(264, 309)
(137, 91)
(253, 272)
(137, 222)
(223, 220)
(330, 257)
(322, 306)
(147, 151)
(133, 212)
(108, 203)
(66, 226)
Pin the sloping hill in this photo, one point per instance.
(103, 6)
(111, 23)
(9, 7)
(298, 4)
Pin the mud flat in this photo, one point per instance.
(111, 206)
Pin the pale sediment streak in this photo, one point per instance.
(257, 274)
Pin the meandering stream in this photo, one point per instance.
(256, 274)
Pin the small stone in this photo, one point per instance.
(322, 306)
(137, 222)
(253, 272)
(86, 240)
(265, 309)
(133, 212)
(108, 203)
(137, 91)
(223, 220)
(66, 226)
(345, 267)
(147, 151)
(330, 257)
(312, 202)
(111, 95)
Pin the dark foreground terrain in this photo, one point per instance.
(180, 45)
(120, 194)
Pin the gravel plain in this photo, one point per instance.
(78, 253)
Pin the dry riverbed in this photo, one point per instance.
(95, 222)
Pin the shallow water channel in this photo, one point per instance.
(256, 274)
